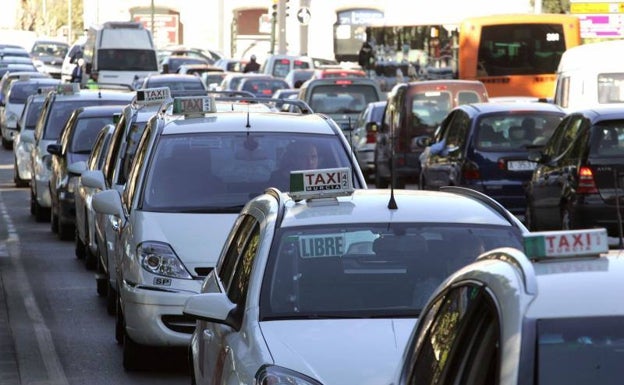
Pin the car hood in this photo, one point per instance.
(197, 239)
(347, 351)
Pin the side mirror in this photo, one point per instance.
(93, 179)
(77, 168)
(55, 149)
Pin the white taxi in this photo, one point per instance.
(97, 237)
(323, 285)
(194, 170)
(548, 314)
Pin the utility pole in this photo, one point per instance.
(152, 19)
(281, 26)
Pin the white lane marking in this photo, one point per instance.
(56, 375)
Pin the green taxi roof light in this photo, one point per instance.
(194, 105)
(321, 183)
(567, 243)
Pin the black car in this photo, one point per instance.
(179, 84)
(579, 178)
(75, 144)
(485, 146)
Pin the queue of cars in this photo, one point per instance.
(229, 227)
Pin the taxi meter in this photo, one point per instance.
(322, 183)
(568, 243)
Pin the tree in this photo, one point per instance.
(48, 17)
(554, 6)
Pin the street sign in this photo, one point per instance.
(303, 15)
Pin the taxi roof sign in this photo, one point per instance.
(45, 89)
(148, 96)
(321, 183)
(68, 88)
(194, 105)
(567, 243)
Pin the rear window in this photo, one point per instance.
(264, 87)
(62, 109)
(32, 114)
(430, 108)
(220, 172)
(281, 68)
(85, 133)
(514, 132)
(342, 98)
(20, 91)
(611, 88)
(607, 139)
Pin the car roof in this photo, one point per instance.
(366, 206)
(241, 121)
(97, 94)
(168, 77)
(579, 287)
(99, 111)
(596, 114)
(484, 108)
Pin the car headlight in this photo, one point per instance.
(159, 258)
(11, 120)
(276, 375)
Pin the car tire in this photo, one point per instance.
(81, 249)
(91, 260)
(41, 213)
(133, 354)
(111, 299)
(120, 327)
(65, 231)
(19, 182)
(102, 287)
(7, 144)
(54, 225)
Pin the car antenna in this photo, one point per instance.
(248, 125)
(392, 203)
(616, 181)
(352, 151)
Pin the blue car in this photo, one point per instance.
(485, 146)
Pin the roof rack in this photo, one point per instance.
(488, 201)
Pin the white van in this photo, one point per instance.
(591, 75)
(117, 52)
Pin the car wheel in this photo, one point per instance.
(111, 299)
(7, 144)
(54, 225)
(19, 182)
(91, 260)
(41, 213)
(120, 327)
(65, 231)
(102, 287)
(80, 249)
(132, 353)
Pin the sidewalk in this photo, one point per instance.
(9, 374)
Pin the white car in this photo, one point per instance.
(324, 285)
(100, 246)
(57, 108)
(194, 170)
(546, 313)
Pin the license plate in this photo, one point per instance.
(162, 281)
(520, 165)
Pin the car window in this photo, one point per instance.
(222, 171)
(514, 132)
(458, 130)
(85, 132)
(237, 290)
(450, 340)
(345, 98)
(243, 227)
(392, 269)
(607, 139)
(429, 108)
(62, 109)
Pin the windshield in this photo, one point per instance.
(62, 109)
(580, 350)
(127, 60)
(367, 270)
(220, 172)
(342, 98)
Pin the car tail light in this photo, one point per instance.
(470, 171)
(501, 164)
(285, 61)
(586, 183)
(343, 82)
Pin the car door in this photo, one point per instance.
(548, 180)
(215, 354)
(458, 341)
(446, 157)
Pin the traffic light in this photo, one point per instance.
(286, 8)
(274, 7)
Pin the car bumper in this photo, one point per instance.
(592, 212)
(43, 192)
(154, 317)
